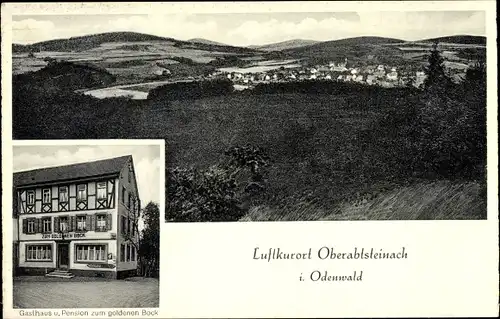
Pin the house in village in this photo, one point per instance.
(371, 79)
(78, 219)
(392, 76)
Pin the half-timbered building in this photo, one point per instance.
(78, 219)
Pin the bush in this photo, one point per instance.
(217, 193)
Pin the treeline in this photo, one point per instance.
(191, 90)
(67, 76)
(438, 133)
(45, 106)
(323, 87)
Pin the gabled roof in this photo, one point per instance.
(109, 166)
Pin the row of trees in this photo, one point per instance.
(439, 132)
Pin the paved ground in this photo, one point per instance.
(42, 292)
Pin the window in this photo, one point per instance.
(91, 252)
(63, 224)
(129, 174)
(46, 196)
(63, 194)
(81, 223)
(81, 195)
(38, 253)
(124, 225)
(101, 223)
(47, 224)
(122, 252)
(129, 252)
(30, 198)
(31, 226)
(124, 192)
(133, 254)
(101, 190)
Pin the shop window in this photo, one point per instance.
(91, 252)
(39, 253)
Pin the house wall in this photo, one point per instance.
(127, 180)
(56, 205)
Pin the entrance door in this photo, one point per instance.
(63, 255)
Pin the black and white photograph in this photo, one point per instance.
(86, 226)
(302, 116)
(250, 159)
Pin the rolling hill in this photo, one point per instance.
(358, 48)
(278, 46)
(205, 41)
(87, 42)
(459, 39)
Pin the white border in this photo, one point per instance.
(460, 250)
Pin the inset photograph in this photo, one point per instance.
(86, 225)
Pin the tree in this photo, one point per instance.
(149, 250)
(435, 71)
(217, 192)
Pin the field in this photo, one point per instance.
(37, 292)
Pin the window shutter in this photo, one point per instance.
(73, 223)
(25, 226)
(37, 225)
(56, 224)
(108, 222)
(89, 224)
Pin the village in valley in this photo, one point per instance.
(383, 75)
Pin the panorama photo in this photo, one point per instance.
(273, 116)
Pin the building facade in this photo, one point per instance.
(81, 219)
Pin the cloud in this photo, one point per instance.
(31, 30)
(233, 30)
(403, 25)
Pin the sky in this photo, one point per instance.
(242, 29)
(147, 162)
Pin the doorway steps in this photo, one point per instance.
(60, 273)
